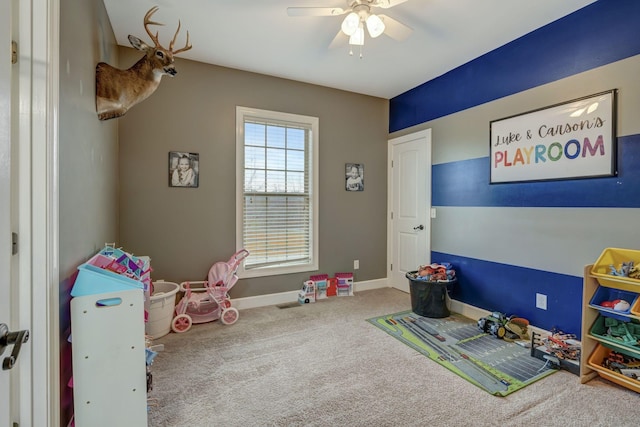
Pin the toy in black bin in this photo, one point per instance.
(429, 287)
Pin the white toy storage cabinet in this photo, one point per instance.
(108, 343)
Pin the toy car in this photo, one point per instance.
(494, 324)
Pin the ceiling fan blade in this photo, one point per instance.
(395, 29)
(386, 4)
(315, 11)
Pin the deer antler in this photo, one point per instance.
(187, 46)
(147, 22)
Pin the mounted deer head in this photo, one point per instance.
(118, 90)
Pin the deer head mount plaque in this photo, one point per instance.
(119, 90)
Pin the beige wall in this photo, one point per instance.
(88, 159)
(186, 230)
(88, 156)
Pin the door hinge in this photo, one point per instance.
(14, 52)
(391, 267)
(391, 215)
(14, 243)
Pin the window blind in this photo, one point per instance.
(276, 198)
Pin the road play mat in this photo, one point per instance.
(455, 342)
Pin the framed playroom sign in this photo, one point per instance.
(575, 139)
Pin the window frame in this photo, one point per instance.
(267, 115)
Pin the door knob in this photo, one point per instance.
(11, 338)
(419, 227)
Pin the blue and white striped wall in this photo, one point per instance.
(511, 241)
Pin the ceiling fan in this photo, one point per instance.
(359, 15)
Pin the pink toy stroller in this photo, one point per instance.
(209, 300)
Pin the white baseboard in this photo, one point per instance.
(292, 296)
(466, 310)
(265, 300)
(475, 313)
(370, 284)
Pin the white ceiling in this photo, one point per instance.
(259, 36)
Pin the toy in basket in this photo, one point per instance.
(206, 301)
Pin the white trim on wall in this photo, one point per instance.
(292, 296)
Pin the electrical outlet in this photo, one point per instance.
(356, 264)
(433, 212)
(541, 301)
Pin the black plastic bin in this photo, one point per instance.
(429, 299)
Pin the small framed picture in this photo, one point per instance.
(354, 177)
(184, 169)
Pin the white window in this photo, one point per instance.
(276, 191)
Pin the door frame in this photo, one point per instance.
(7, 313)
(426, 133)
(38, 282)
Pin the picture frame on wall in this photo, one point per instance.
(184, 169)
(571, 140)
(354, 177)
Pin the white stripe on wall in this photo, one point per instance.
(559, 240)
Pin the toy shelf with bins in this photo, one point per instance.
(596, 347)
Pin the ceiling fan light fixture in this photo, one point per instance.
(350, 23)
(375, 26)
(357, 38)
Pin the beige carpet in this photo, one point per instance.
(323, 364)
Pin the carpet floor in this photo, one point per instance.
(323, 364)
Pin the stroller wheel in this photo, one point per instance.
(181, 323)
(229, 315)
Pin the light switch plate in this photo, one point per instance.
(541, 301)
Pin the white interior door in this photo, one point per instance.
(409, 205)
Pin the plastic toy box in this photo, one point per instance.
(429, 299)
(95, 280)
(604, 293)
(600, 329)
(595, 362)
(614, 256)
(161, 308)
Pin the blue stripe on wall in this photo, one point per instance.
(505, 288)
(466, 183)
(601, 33)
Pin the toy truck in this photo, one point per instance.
(308, 292)
(493, 324)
